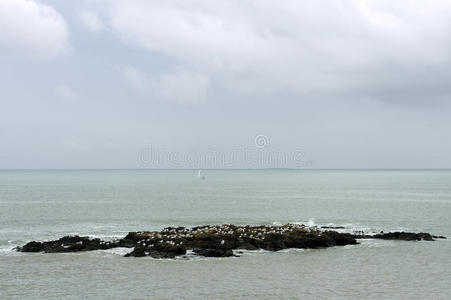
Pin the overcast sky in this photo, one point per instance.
(315, 84)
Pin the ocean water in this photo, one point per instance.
(38, 205)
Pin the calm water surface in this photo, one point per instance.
(36, 205)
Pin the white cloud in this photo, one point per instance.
(177, 85)
(91, 21)
(31, 28)
(66, 93)
(333, 46)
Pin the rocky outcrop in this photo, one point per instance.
(332, 227)
(67, 244)
(406, 236)
(400, 236)
(216, 240)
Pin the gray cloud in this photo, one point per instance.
(66, 92)
(352, 84)
(359, 48)
(176, 85)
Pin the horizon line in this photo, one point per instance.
(224, 169)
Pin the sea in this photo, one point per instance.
(48, 204)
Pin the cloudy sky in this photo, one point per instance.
(316, 84)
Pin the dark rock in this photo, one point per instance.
(174, 229)
(247, 245)
(332, 227)
(216, 252)
(216, 240)
(32, 247)
(137, 252)
(166, 251)
(319, 241)
(404, 236)
(130, 240)
(273, 242)
(341, 239)
(66, 244)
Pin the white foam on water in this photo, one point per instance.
(8, 250)
(102, 236)
(375, 243)
(290, 250)
(311, 223)
(300, 249)
(190, 255)
(249, 252)
(117, 251)
(348, 227)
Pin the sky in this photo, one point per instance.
(225, 84)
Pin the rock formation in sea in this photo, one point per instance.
(217, 240)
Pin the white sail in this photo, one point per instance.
(200, 176)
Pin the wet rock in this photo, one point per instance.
(32, 247)
(248, 245)
(273, 242)
(318, 241)
(130, 240)
(175, 229)
(217, 240)
(166, 251)
(66, 244)
(216, 252)
(137, 252)
(332, 227)
(157, 249)
(404, 236)
(398, 235)
(341, 239)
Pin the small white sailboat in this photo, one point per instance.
(200, 176)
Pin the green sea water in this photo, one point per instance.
(47, 204)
